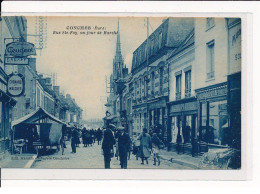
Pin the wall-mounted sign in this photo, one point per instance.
(20, 49)
(15, 85)
(219, 91)
(16, 61)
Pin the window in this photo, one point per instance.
(140, 56)
(160, 40)
(145, 86)
(145, 51)
(217, 130)
(161, 80)
(140, 87)
(152, 75)
(210, 59)
(135, 89)
(178, 87)
(210, 22)
(152, 46)
(188, 83)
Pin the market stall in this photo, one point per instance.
(38, 129)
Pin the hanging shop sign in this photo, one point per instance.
(16, 61)
(15, 85)
(20, 49)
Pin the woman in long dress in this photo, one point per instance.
(145, 146)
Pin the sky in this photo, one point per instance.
(82, 61)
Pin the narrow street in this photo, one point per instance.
(91, 157)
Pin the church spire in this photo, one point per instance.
(118, 44)
(118, 59)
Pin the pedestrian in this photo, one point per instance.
(130, 148)
(107, 146)
(84, 131)
(88, 138)
(156, 146)
(74, 140)
(77, 137)
(117, 134)
(123, 146)
(136, 148)
(93, 135)
(145, 146)
(62, 141)
(99, 135)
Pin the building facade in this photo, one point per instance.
(211, 68)
(234, 81)
(150, 82)
(182, 125)
(11, 29)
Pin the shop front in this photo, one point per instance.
(213, 119)
(182, 128)
(6, 104)
(157, 116)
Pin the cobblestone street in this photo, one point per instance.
(91, 157)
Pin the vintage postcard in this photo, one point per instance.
(101, 92)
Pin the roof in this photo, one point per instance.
(35, 116)
(189, 40)
(49, 91)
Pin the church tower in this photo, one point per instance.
(118, 62)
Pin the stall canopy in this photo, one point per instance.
(38, 115)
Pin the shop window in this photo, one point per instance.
(218, 131)
(188, 83)
(210, 59)
(178, 87)
(210, 23)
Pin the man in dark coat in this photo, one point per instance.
(123, 146)
(107, 146)
(99, 135)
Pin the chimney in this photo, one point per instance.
(32, 63)
(68, 96)
(125, 72)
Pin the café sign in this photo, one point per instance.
(16, 61)
(15, 85)
(20, 49)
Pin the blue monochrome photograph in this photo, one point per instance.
(103, 92)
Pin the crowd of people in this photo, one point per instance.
(143, 146)
(88, 137)
(116, 142)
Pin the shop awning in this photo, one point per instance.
(36, 116)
